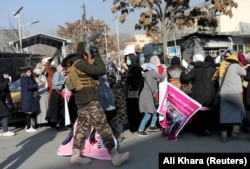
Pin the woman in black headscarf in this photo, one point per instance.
(134, 82)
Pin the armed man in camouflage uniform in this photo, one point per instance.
(90, 112)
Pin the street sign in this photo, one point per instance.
(174, 51)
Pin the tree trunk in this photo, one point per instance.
(164, 43)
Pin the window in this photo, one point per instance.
(247, 51)
(211, 12)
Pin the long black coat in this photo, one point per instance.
(3, 95)
(134, 81)
(29, 103)
(203, 87)
(246, 92)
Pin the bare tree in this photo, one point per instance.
(8, 35)
(74, 32)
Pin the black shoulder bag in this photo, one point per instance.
(132, 94)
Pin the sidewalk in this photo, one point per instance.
(39, 150)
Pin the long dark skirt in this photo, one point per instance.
(55, 111)
(134, 115)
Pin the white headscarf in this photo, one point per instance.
(37, 71)
(198, 55)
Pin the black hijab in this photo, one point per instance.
(132, 57)
(175, 61)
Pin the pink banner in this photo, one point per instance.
(93, 147)
(178, 108)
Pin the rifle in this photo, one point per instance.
(87, 39)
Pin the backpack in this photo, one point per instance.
(77, 79)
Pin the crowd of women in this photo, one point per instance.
(125, 94)
(227, 78)
(209, 79)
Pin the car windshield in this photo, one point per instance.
(15, 86)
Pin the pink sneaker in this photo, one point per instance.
(172, 138)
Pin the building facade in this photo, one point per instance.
(138, 40)
(231, 33)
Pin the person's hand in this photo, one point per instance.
(6, 76)
(89, 58)
(40, 83)
(47, 59)
(245, 67)
(123, 71)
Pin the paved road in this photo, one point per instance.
(39, 150)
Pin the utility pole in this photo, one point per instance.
(17, 14)
(118, 44)
(106, 43)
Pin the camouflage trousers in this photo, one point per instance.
(92, 115)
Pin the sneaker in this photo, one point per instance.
(224, 139)
(31, 130)
(237, 134)
(8, 133)
(142, 133)
(153, 129)
(204, 133)
(172, 138)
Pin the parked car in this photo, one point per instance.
(15, 90)
(17, 116)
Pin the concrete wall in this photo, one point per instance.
(240, 14)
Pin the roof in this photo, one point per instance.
(206, 35)
(190, 37)
(42, 39)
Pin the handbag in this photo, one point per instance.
(155, 95)
(133, 93)
(216, 100)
